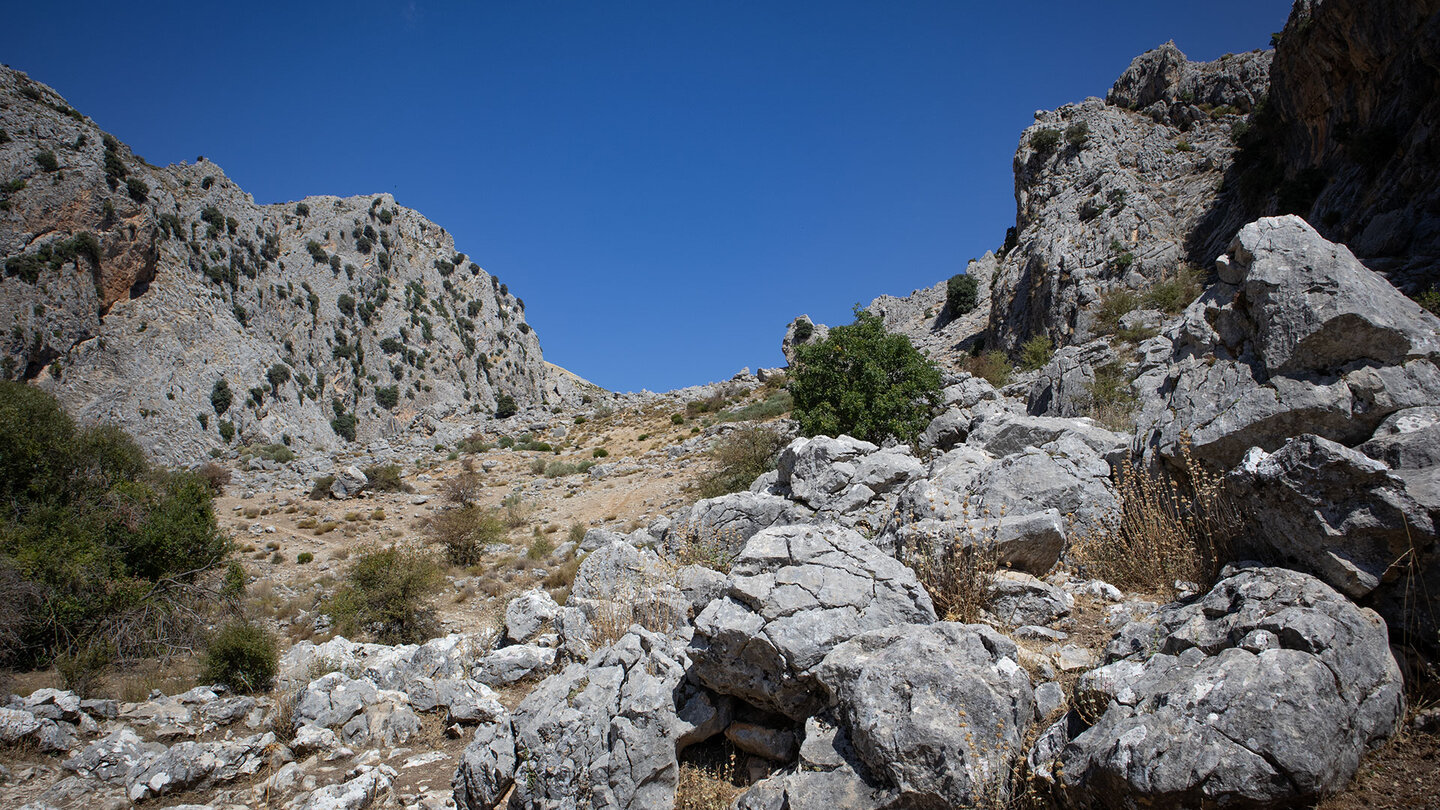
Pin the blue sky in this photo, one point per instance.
(666, 184)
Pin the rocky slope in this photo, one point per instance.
(132, 292)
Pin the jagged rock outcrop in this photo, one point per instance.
(1268, 663)
(131, 291)
(1121, 193)
(923, 317)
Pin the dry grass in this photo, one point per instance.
(956, 563)
(707, 546)
(706, 787)
(1166, 529)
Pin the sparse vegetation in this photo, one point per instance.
(1045, 141)
(992, 367)
(863, 381)
(1172, 294)
(465, 531)
(740, 457)
(505, 406)
(47, 161)
(955, 564)
(1077, 134)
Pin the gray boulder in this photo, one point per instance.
(1222, 701)
(349, 482)
(527, 614)
(721, 526)
(508, 665)
(1065, 474)
(1408, 439)
(1018, 599)
(603, 733)
(794, 593)
(111, 757)
(938, 711)
(487, 767)
(196, 766)
(1299, 337)
(1335, 512)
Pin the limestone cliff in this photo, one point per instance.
(141, 295)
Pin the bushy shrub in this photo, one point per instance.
(242, 656)
(320, 490)
(803, 330)
(138, 189)
(344, 424)
(302, 209)
(386, 595)
(233, 585)
(991, 367)
(1114, 305)
(600, 452)
(221, 397)
(677, 419)
(104, 544)
(505, 407)
(740, 457)
(47, 160)
(217, 476)
(387, 397)
(227, 430)
(304, 558)
(386, 478)
(962, 294)
(864, 381)
(1045, 141)
(1173, 293)
(1077, 134)
(1036, 352)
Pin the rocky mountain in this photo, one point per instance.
(167, 301)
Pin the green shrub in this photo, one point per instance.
(99, 543)
(540, 547)
(304, 558)
(1036, 352)
(138, 189)
(302, 209)
(864, 381)
(320, 490)
(344, 422)
(346, 304)
(803, 330)
(1077, 134)
(505, 407)
(234, 583)
(992, 367)
(1430, 300)
(506, 441)
(387, 397)
(1171, 295)
(465, 531)
(278, 375)
(47, 160)
(317, 252)
(221, 397)
(961, 295)
(740, 457)
(227, 430)
(386, 478)
(242, 656)
(1045, 141)
(1114, 305)
(278, 453)
(386, 595)
(677, 419)
(600, 452)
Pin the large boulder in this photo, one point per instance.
(487, 767)
(1297, 337)
(939, 712)
(794, 593)
(603, 733)
(845, 479)
(1265, 692)
(349, 482)
(721, 526)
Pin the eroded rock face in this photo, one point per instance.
(794, 593)
(939, 712)
(1223, 700)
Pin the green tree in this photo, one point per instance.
(864, 381)
(505, 406)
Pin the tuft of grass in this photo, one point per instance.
(740, 457)
(956, 564)
(1170, 526)
(1036, 352)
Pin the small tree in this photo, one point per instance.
(505, 407)
(864, 381)
(961, 294)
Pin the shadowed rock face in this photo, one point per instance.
(130, 290)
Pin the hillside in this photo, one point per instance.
(133, 291)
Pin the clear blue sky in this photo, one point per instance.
(666, 184)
